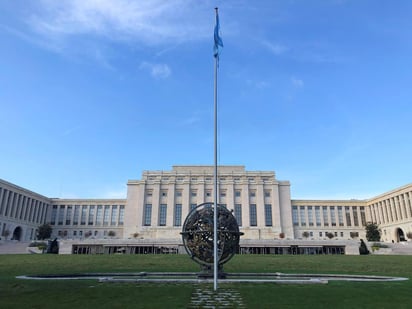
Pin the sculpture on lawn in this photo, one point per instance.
(197, 234)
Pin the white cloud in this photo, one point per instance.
(157, 70)
(276, 49)
(298, 83)
(150, 22)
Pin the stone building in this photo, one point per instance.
(157, 204)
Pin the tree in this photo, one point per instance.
(305, 234)
(330, 235)
(44, 231)
(373, 233)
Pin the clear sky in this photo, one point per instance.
(94, 92)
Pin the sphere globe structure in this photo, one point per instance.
(198, 234)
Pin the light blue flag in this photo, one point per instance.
(218, 39)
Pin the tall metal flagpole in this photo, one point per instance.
(218, 42)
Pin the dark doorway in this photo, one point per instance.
(17, 233)
(400, 236)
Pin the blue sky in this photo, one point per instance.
(92, 93)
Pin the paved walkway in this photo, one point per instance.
(206, 297)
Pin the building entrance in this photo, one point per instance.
(400, 236)
(17, 233)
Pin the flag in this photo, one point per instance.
(218, 39)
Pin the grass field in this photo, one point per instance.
(18, 293)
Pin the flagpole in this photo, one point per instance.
(215, 216)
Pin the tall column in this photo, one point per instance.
(277, 217)
(260, 204)
(171, 201)
(245, 203)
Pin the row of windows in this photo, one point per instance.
(209, 179)
(177, 214)
(328, 215)
(393, 209)
(208, 193)
(321, 234)
(99, 215)
(85, 234)
(21, 207)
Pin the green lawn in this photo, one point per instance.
(18, 293)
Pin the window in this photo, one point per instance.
(192, 206)
(91, 215)
(163, 193)
(178, 215)
(208, 193)
(295, 218)
(194, 193)
(162, 214)
(121, 215)
(238, 214)
(237, 193)
(147, 215)
(223, 194)
(252, 193)
(69, 215)
(268, 215)
(179, 193)
(341, 234)
(252, 215)
(317, 216)
(267, 193)
(76, 215)
(340, 216)
(310, 215)
(106, 215)
(320, 234)
(355, 216)
(302, 216)
(325, 215)
(363, 217)
(114, 215)
(333, 215)
(99, 215)
(53, 215)
(347, 214)
(83, 216)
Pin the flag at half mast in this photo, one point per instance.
(218, 39)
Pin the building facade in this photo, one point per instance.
(157, 204)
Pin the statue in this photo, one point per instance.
(198, 235)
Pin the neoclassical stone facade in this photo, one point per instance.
(157, 204)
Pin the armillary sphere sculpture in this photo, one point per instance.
(198, 235)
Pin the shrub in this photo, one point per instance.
(39, 244)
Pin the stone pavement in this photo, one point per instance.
(205, 297)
